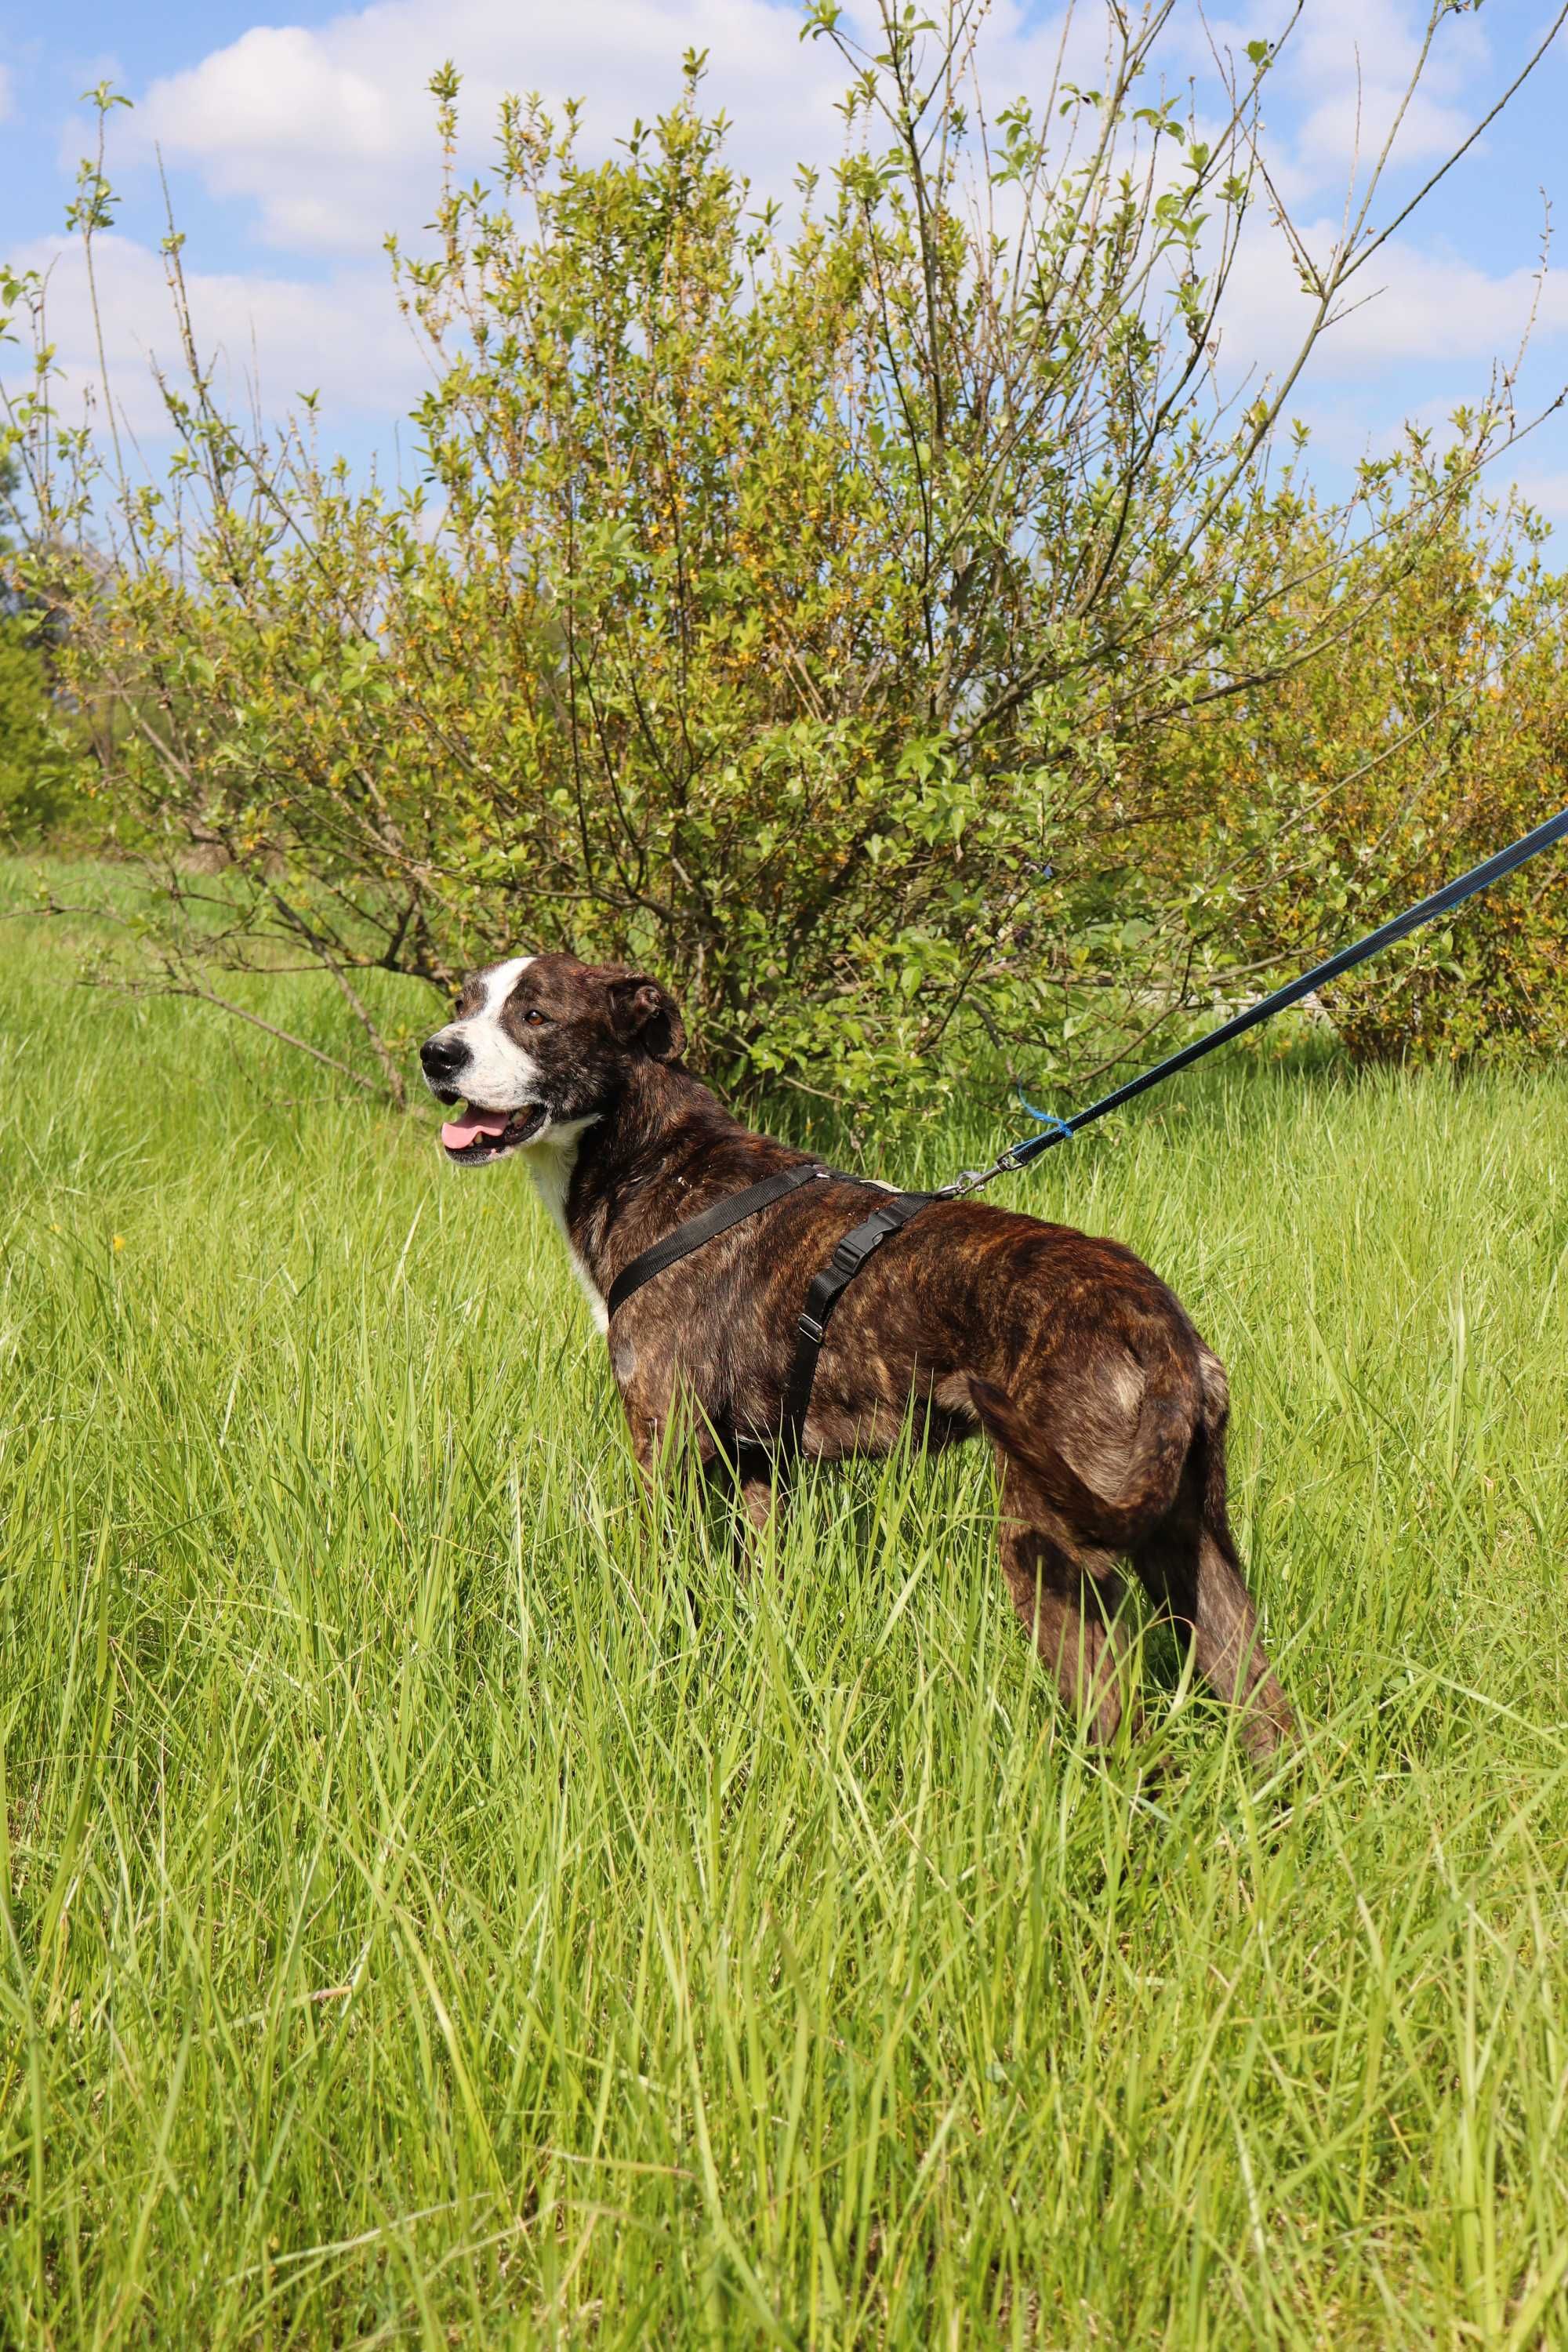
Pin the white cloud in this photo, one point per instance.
(326, 135)
(1353, 61)
(1341, 78)
(268, 338)
(330, 133)
(1346, 131)
(1407, 305)
(1548, 491)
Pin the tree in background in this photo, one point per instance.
(1348, 788)
(840, 614)
(35, 797)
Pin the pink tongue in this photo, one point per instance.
(458, 1133)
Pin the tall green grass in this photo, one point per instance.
(442, 1903)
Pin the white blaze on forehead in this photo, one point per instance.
(500, 980)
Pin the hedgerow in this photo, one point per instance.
(877, 613)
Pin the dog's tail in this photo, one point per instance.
(1208, 1455)
(1169, 1416)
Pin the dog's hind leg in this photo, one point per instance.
(1189, 1566)
(1067, 1599)
(1187, 1571)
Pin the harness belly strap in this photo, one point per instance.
(826, 1287)
(892, 1213)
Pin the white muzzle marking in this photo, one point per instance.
(498, 1074)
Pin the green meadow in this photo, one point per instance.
(445, 1901)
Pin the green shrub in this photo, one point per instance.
(819, 613)
(1348, 786)
(24, 732)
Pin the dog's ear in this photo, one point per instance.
(647, 1014)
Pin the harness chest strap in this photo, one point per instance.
(706, 1227)
(850, 1255)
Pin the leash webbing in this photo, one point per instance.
(1441, 902)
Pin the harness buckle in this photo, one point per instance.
(845, 1258)
(810, 1328)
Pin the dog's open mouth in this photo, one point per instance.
(476, 1135)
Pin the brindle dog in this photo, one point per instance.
(1106, 1410)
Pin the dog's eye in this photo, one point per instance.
(533, 1016)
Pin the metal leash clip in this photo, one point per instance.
(970, 1180)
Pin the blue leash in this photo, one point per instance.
(1441, 902)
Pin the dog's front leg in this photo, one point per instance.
(746, 1476)
(674, 1428)
(758, 1495)
(647, 1433)
(763, 1490)
(1067, 1598)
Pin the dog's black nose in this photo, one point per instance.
(442, 1057)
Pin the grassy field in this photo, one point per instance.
(442, 1906)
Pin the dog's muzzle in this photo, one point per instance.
(443, 1057)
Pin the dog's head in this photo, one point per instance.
(541, 1044)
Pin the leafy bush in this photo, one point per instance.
(1346, 788)
(40, 782)
(807, 609)
(26, 802)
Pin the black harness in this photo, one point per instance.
(891, 1215)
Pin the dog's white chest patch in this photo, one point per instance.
(550, 1164)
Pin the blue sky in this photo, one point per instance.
(294, 140)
